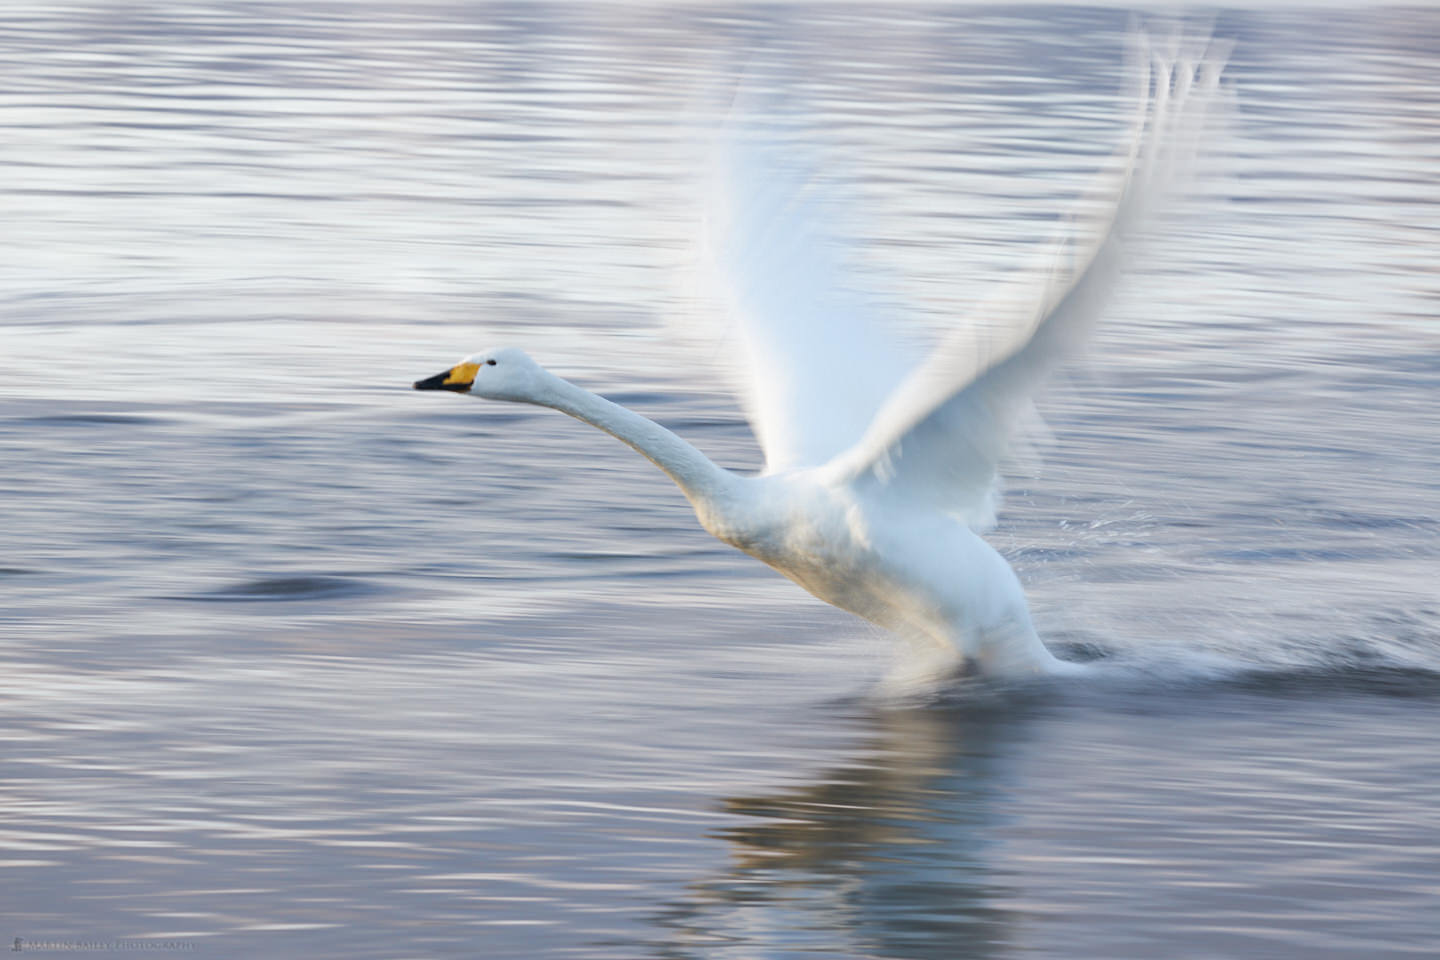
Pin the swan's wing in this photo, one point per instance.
(816, 358)
(940, 437)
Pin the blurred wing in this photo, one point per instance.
(817, 360)
(939, 439)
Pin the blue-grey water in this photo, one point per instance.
(295, 661)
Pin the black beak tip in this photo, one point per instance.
(444, 381)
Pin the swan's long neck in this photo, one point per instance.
(697, 477)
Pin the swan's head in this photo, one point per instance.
(507, 374)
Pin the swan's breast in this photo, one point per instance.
(815, 534)
(759, 518)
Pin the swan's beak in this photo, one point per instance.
(459, 378)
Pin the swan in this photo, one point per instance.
(881, 473)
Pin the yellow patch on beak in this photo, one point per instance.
(458, 378)
(461, 375)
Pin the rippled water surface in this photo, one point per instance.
(298, 662)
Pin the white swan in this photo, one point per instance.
(879, 476)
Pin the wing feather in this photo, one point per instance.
(818, 357)
(940, 437)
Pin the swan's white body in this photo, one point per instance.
(880, 472)
(923, 577)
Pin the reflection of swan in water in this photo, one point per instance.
(881, 469)
(888, 856)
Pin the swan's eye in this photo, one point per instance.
(490, 363)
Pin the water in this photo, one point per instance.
(298, 662)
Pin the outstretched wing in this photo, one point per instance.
(939, 438)
(817, 359)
